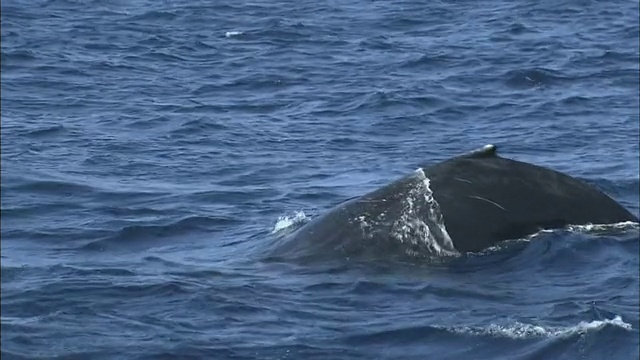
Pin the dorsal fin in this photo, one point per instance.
(487, 151)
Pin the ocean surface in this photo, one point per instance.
(154, 153)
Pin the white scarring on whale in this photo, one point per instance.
(417, 230)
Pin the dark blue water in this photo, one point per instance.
(153, 152)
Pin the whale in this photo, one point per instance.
(463, 204)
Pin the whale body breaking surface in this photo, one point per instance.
(464, 204)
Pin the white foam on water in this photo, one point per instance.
(527, 331)
(412, 228)
(285, 222)
(587, 228)
(233, 33)
(625, 225)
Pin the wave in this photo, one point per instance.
(14, 273)
(54, 187)
(154, 15)
(518, 330)
(515, 331)
(18, 55)
(533, 78)
(143, 234)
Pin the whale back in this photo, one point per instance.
(466, 203)
(485, 198)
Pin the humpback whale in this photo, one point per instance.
(463, 204)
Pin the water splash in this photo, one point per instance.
(288, 222)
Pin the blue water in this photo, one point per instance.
(153, 152)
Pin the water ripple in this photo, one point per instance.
(150, 150)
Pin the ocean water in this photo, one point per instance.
(154, 152)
